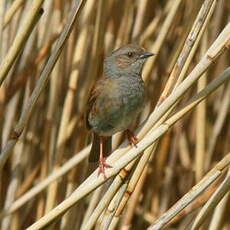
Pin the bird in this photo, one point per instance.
(116, 100)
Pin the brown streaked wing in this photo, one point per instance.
(91, 100)
(104, 85)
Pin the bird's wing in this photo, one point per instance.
(94, 92)
(102, 87)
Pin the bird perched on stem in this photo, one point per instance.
(116, 100)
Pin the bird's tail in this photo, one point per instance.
(95, 149)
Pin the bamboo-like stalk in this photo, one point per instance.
(198, 26)
(188, 82)
(2, 11)
(56, 175)
(86, 187)
(200, 122)
(41, 84)
(218, 124)
(212, 202)
(218, 214)
(23, 34)
(196, 190)
(146, 156)
(43, 140)
(160, 39)
(11, 11)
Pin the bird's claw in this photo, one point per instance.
(102, 166)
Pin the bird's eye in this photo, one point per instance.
(130, 54)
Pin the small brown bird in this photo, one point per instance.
(116, 100)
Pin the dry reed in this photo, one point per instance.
(51, 53)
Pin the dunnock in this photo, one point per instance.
(116, 100)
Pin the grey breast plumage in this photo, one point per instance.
(119, 108)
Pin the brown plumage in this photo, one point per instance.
(116, 100)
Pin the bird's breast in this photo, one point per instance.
(131, 93)
(118, 106)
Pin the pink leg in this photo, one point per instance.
(132, 138)
(102, 162)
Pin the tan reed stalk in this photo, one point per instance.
(140, 16)
(223, 42)
(163, 95)
(193, 37)
(52, 177)
(221, 208)
(225, 102)
(163, 30)
(162, 36)
(52, 150)
(222, 190)
(44, 76)
(192, 194)
(11, 11)
(86, 187)
(53, 103)
(130, 192)
(184, 153)
(30, 21)
(2, 12)
(200, 123)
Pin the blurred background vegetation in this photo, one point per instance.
(50, 130)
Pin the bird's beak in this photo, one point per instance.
(146, 55)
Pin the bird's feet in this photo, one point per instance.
(102, 166)
(132, 138)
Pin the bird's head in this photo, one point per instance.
(126, 60)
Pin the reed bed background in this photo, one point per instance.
(51, 53)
